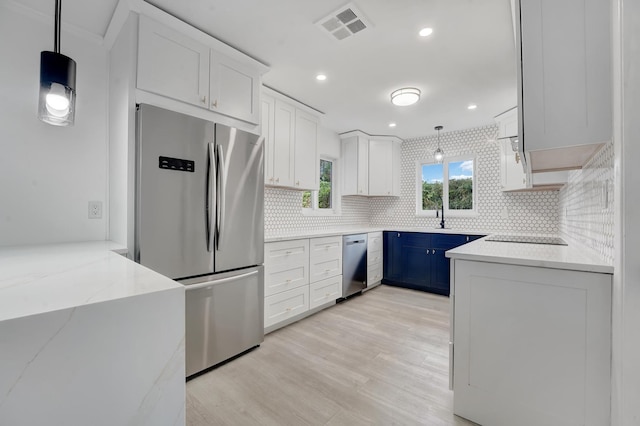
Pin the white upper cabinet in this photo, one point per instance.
(355, 165)
(565, 76)
(172, 64)
(267, 121)
(384, 167)
(380, 167)
(306, 167)
(291, 140)
(176, 66)
(371, 164)
(234, 88)
(512, 172)
(284, 148)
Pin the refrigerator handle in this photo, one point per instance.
(209, 283)
(221, 198)
(211, 194)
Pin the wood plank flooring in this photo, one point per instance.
(381, 358)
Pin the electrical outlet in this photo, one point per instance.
(95, 209)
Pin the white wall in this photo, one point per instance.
(48, 174)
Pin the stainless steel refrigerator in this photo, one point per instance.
(200, 220)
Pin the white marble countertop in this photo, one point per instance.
(295, 235)
(45, 278)
(573, 256)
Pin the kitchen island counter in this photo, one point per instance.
(89, 337)
(573, 256)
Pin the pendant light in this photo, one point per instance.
(438, 154)
(57, 103)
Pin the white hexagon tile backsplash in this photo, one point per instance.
(583, 208)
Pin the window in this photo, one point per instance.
(451, 183)
(322, 201)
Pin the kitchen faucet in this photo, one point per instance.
(442, 220)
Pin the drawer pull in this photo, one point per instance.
(327, 247)
(288, 281)
(326, 271)
(288, 309)
(287, 252)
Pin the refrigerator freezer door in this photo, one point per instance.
(240, 208)
(171, 196)
(225, 316)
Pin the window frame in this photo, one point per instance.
(445, 187)
(314, 210)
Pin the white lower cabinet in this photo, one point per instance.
(325, 291)
(549, 363)
(374, 259)
(300, 275)
(285, 305)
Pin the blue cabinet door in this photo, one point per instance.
(440, 272)
(392, 257)
(416, 266)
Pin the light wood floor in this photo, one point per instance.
(380, 358)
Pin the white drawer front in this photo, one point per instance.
(285, 305)
(374, 257)
(284, 277)
(325, 248)
(325, 291)
(294, 252)
(325, 269)
(374, 274)
(374, 241)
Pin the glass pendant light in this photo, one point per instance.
(57, 103)
(438, 154)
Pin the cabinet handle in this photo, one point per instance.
(388, 193)
(214, 104)
(433, 251)
(361, 191)
(326, 271)
(277, 179)
(288, 281)
(398, 235)
(327, 247)
(288, 309)
(517, 158)
(271, 179)
(327, 295)
(298, 183)
(467, 238)
(287, 252)
(203, 100)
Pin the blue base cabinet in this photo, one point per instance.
(416, 260)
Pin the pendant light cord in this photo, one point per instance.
(56, 36)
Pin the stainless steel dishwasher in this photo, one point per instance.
(354, 264)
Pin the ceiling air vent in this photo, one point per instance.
(344, 22)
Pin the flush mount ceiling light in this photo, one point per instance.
(426, 32)
(321, 77)
(405, 96)
(57, 82)
(472, 106)
(392, 124)
(438, 154)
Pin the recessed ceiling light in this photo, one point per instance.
(472, 106)
(392, 124)
(405, 96)
(321, 77)
(425, 32)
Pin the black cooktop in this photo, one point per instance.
(556, 241)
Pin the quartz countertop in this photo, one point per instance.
(44, 278)
(295, 235)
(573, 256)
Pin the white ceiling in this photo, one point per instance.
(469, 58)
